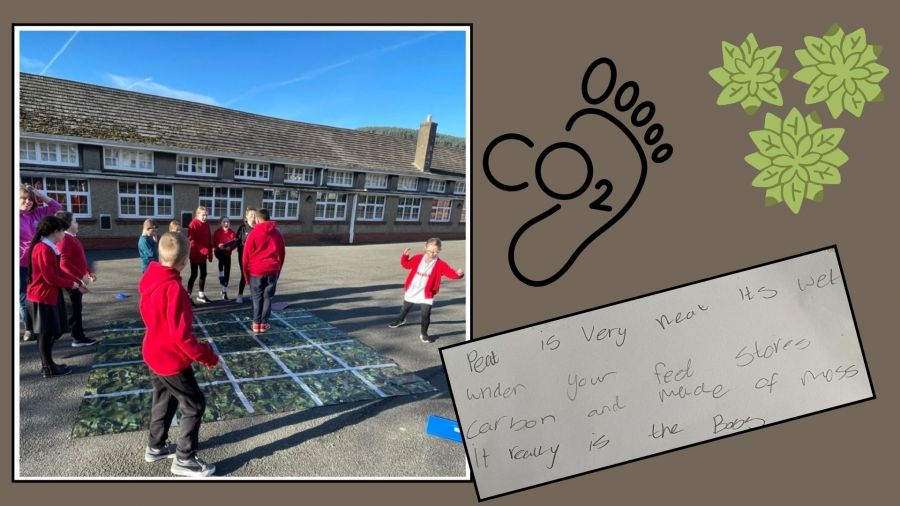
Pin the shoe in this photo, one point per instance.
(85, 341)
(56, 370)
(397, 323)
(254, 327)
(240, 299)
(193, 304)
(262, 327)
(204, 299)
(224, 295)
(425, 338)
(27, 336)
(157, 454)
(194, 467)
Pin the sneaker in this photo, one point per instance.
(254, 327)
(204, 299)
(224, 295)
(194, 467)
(262, 327)
(240, 299)
(84, 341)
(193, 304)
(157, 454)
(396, 323)
(56, 370)
(425, 338)
(27, 336)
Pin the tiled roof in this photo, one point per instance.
(59, 107)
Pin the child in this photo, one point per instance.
(174, 226)
(33, 205)
(263, 259)
(45, 283)
(73, 263)
(241, 234)
(225, 241)
(169, 349)
(201, 251)
(423, 283)
(147, 245)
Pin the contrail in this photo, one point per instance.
(326, 68)
(59, 53)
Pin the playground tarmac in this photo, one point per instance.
(356, 288)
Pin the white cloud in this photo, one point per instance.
(147, 85)
(30, 63)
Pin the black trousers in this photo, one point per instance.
(170, 393)
(425, 309)
(262, 288)
(194, 268)
(24, 315)
(76, 323)
(224, 267)
(241, 283)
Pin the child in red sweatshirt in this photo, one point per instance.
(46, 281)
(169, 349)
(73, 262)
(200, 237)
(225, 241)
(423, 283)
(262, 262)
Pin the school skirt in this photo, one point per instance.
(49, 319)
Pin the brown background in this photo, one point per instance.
(698, 216)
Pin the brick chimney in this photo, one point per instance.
(425, 145)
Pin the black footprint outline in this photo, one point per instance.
(651, 137)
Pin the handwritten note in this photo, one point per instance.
(638, 378)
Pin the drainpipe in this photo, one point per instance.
(353, 217)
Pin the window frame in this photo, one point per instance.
(210, 201)
(67, 193)
(456, 185)
(272, 203)
(400, 187)
(434, 182)
(344, 174)
(58, 152)
(137, 196)
(383, 186)
(402, 205)
(257, 168)
(448, 209)
(119, 158)
(192, 158)
(311, 171)
(336, 203)
(363, 203)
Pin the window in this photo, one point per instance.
(437, 186)
(376, 180)
(302, 175)
(440, 210)
(408, 209)
(331, 206)
(340, 178)
(145, 200)
(221, 202)
(462, 213)
(459, 187)
(73, 194)
(128, 159)
(195, 165)
(283, 204)
(251, 170)
(407, 183)
(51, 153)
(370, 208)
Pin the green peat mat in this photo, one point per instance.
(302, 362)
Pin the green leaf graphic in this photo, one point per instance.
(748, 75)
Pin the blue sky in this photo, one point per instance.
(345, 79)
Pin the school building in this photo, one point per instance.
(115, 157)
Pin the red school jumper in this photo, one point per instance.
(72, 259)
(169, 346)
(201, 241)
(222, 236)
(46, 276)
(441, 268)
(263, 251)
